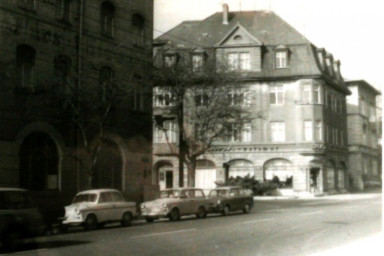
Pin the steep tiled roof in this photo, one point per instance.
(267, 27)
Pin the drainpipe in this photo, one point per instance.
(79, 72)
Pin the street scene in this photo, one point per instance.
(180, 127)
(273, 227)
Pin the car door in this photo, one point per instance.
(200, 200)
(104, 211)
(234, 194)
(119, 205)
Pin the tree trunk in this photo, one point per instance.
(191, 172)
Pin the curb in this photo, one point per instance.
(322, 197)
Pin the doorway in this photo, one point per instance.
(314, 180)
(169, 179)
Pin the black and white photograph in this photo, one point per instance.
(191, 127)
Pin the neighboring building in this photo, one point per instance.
(363, 135)
(297, 87)
(49, 45)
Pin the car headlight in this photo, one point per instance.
(165, 206)
(142, 206)
(218, 201)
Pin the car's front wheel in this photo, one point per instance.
(201, 213)
(174, 215)
(127, 219)
(247, 208)
(90, 222)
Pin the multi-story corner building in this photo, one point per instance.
(47, 45)
(296, 86)
(363, 135)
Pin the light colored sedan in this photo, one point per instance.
(94, 208)
(174, 203)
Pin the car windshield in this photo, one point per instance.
(85, 198)
(218, 192)
(169, 193)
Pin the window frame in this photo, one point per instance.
(308, 130)
(107, 18)
(276, 90)
(63, 10)
(277, 131)
(237, 62)
(281, 59)
(197, 61)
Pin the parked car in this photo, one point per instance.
(229, 199)
(174, 203)
(94, 208)
(19, 217)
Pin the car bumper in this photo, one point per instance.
(154, 213)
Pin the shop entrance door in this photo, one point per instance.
(314, 180)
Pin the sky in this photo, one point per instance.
(352, 30)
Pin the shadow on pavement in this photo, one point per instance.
(30, 246)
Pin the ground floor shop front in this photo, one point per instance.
(297, 171)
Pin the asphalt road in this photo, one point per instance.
(274, 227)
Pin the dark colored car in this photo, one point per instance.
(19, 217)
(229, 199)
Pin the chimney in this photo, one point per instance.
(225, 14)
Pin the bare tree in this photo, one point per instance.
(204, 109)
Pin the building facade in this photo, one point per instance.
(296, 88)
(49, 46)
(363, 135)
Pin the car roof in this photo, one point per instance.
(96, 191)
(186, 188)
(226, 187)
(13, 189)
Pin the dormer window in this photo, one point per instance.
(170, 60)
(197, 62)
(239, 61)
(281, 59)
(238, 38)
(320, 57)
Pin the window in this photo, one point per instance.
(105, 197)
(201, 99)
(234, 133)
(316, 94)
(117, 197)
(62, 66)
(245, 61)
(170, 60)
(239, 61)
(63, 10)
(307, 91)
(276, 94)
(25, 61)
(236, 97)
(107, 17)
(318, 131)
(138, 23)
(281, 59)
(197, 63)
(27, 4)
(167, 133)
(277, 131)
(335, 136)
(246, 132)
(106, 77)
(308, 131)
(341, 138)
(199, 194)
(328, 133)
(163, 98)
(311, 93)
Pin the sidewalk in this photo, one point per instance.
(371, 245)
(306, 196)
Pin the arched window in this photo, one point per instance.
(280, 168)
(62, 67)
(107, 18)
(25, 61)
(138, 23)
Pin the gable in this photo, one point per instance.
(239, 37)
